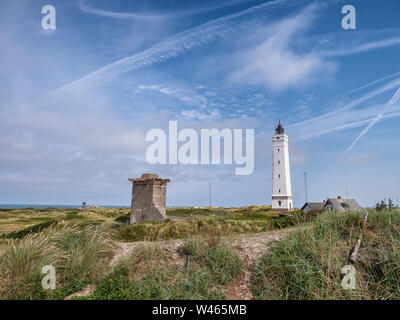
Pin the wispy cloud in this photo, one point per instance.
(189, 97)
(354, 103)
(374, 82)
(156, 15)
(339, 123)
(393, 100)
(274, 63)
(201, 115)
(351, 115)
(362, 48)
(171, 47)
(205, 33)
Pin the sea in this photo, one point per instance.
(44, 206)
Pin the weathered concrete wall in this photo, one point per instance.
(148, 198)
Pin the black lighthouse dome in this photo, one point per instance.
(279, 129)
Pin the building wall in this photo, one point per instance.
(281, 185)
(148, 202)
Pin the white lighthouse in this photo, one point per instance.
(281, 186)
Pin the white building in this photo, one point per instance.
(281, 186)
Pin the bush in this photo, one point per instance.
(124, 219)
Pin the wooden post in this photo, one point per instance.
(356, 248)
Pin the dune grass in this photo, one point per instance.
(155, 231)
(80, 256)
(14, 220)
(307, 264)
(149, 273)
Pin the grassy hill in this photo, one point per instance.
(198, 253)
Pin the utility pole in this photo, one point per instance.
(209, 195)
(305, 185)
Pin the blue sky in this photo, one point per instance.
(76, 103)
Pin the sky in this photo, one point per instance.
(77, 102)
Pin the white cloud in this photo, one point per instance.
(189, 97)
(199, 115)
(153, 15)
(274, 63)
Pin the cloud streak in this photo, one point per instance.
(390, 85)
(154, 15)
(175, 46)
(393, 100)
(362, 48)
(169, 48)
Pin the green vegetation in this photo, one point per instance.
(80, 256)
(195, 211)
(151, 274)
(33, 229)
(186, 222)
(307, 264)
(242, 212)
(14, 220)
(155, 231)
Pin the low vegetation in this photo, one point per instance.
(80, 256)
(14, 220)
(154, 231)
(307, 264)
(186, 222)
(149, 273)
(32, 229)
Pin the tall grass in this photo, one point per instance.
(80, 256)
(149, 273)
(307, 263)
(217, 257)
(179, 230)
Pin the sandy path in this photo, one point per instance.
(250, 247)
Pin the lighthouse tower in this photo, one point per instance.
(281, 186)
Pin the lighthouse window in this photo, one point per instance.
(279, 190)
(278, 150)
(279, 202)
(279, 175)
(279, 161)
